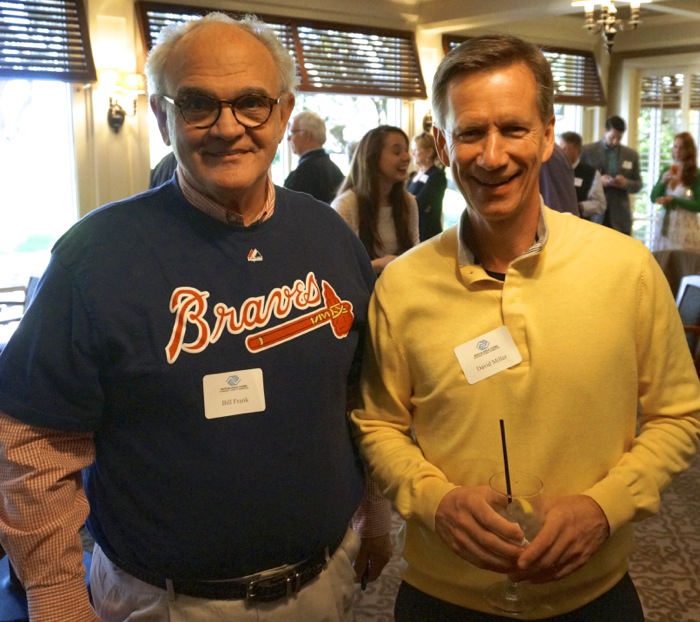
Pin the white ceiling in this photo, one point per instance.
(665, 23)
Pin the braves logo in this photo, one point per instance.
(337, 312)
(190, 305)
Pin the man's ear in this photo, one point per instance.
(286, 107)
(161, 117)
(548, 140)
(441, 145)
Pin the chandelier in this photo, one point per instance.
(605, 21)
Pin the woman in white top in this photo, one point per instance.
(678, 191)
(373, 199)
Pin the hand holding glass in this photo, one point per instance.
(522, 504)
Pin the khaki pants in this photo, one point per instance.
(119, 597)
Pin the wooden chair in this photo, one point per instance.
(676, 264)
(688, 301)
(694, 331)
(14, 301)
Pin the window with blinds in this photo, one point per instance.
(42, 39)
(332, 58)
(575, 73)
(662, 91)
(668, 91)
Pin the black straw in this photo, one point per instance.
(505, 461)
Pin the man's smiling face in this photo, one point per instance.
(226, 162)
(495, 141)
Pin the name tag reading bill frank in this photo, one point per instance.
(233, 393)
(488, 355)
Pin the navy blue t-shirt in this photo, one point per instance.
(148, 304)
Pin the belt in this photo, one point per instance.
(260, 587)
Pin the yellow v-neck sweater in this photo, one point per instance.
(599, 334)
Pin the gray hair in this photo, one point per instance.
(313, 124)
(485, 54)
(170, 36)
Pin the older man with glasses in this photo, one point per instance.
(316, 173)
(182, 378)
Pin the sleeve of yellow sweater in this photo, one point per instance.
(404, 475)
(669, 404)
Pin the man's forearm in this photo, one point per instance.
(43, 507)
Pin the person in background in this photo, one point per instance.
(315, 174)
(557, 183)
(587, 180)
(179, 349)
(499, 319)
(163, 171)
(619, 168)
(373, 199)
(678, 192)
(428, 185)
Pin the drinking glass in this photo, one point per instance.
(524, 506)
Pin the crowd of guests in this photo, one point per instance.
(379, 200)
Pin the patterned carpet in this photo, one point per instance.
(665, 565)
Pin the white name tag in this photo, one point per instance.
(233, 393)
(578, 182)
(422, 177)
(627, 165)
(488, 355)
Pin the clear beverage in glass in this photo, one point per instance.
(524, 506)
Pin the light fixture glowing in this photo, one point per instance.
(605, 21)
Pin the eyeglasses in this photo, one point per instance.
(203, 111)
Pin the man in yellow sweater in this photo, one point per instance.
(511, 316)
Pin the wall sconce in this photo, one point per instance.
(606, 22)
(124, 90)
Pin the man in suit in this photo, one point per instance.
(316, 173)
(587, 180)
(619, 168)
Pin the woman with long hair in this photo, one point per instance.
(428, 186)
(373, 199)
(678, 191)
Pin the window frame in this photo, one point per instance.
(49, 38)
(581, 72)
(373, 61)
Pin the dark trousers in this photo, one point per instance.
(620, 604)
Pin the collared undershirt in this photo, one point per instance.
(466, 257)
(217, 211)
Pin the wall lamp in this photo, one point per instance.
(124, 90)
(605, 21)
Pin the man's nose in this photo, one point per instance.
(493, 153)
(227, 121)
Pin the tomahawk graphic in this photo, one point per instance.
(335, 311)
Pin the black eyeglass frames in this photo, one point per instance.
(202, 111)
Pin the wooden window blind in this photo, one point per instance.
(45, 39)
(332, 58)
(662, 91)
(575, 73)
(695, 91)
